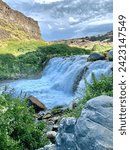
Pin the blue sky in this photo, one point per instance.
(63, 19)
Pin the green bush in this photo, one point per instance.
(104, 86)
(18, 129)
(101, 48)
(31, 63)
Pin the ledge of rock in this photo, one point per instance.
(91, 131)
(38, 106)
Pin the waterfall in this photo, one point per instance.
(59, 78)
(98, 68)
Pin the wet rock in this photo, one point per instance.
(51, 135)
(47, 116)
(38, 106)
(50, 125)
(96, 56)
(55, 127)
(92, 130)
(110, 55)
(38, 117)
(55, 119)
(49, 147)
(57, 110)
(73, 105)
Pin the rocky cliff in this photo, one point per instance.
(14, 24)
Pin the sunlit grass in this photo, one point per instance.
(17, 47)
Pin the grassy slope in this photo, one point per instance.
(17, 47)
(31, 63)
(95, 46)
(98, 43)
(22, 58)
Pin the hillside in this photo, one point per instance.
(98, 42)
(15, 25)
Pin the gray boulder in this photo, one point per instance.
(110, 55)
(96, 56)
(49, 147)
(51, 135)
(91, 131)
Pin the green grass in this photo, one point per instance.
(31, 63)
(101, 48)
(104, 86)
(17, 47)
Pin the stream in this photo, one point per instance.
(63, 79)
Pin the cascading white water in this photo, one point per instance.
(55, 87)
(98, 68)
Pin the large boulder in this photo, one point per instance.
(96, 56)
(38, 106)
(91, 131)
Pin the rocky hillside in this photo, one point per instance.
(102, 40)
(15, 25)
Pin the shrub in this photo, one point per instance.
(104, 86)
(101, 48)
(31, 63)
(18, 130)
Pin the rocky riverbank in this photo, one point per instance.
(84, 122)
(92, 130)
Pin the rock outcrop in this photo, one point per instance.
(93, 130)
(96, 56)
(38, 106)
(13, 23)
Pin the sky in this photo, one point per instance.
(66, 19)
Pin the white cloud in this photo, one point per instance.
(46, 1)
(73, 20)
(61, 28)
(49, 26)
(60, 19)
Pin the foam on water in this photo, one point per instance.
(55, 87)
